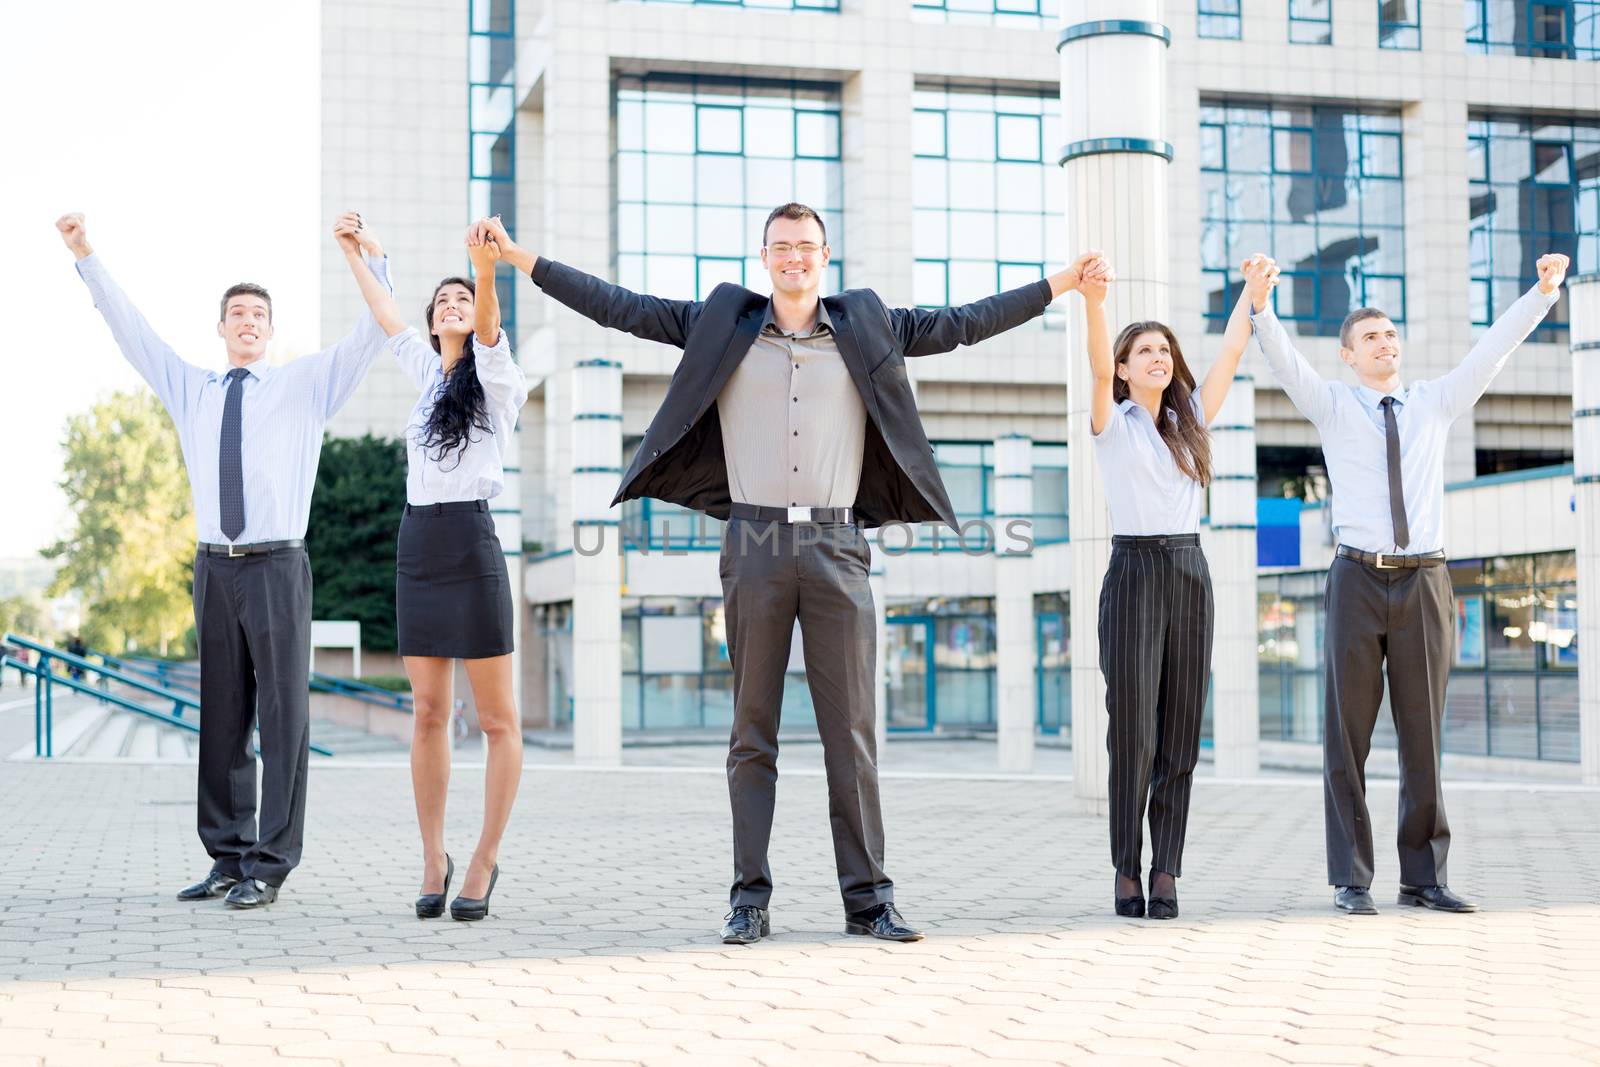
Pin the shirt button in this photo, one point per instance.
(797, 470)
(797, 433)
(796, 399)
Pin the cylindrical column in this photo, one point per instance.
(1015, 634)
(506, 511)
(1231, 548)
(1113, 107)
(1583, 298)
(597, 574)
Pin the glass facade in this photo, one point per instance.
(1400, 24)
(492, 122)
(941, 664)
(1027, 14)
(985, 196)
(1219, 18)
(700, 163)
(767, 5)
(1513, 688)
(1535, 188)
(1310, 21)
(1319, 189)
(1553, 29)
(1053, 649)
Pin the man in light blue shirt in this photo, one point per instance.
(1389, 599)
(251, 438)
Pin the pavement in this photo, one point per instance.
(601, 946)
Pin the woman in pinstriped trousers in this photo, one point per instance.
(1149, 425)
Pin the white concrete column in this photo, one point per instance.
(1231, 552)
(1113, 107)
(1015, 637)
(1583, 298)
(597, 568)
(506, 511)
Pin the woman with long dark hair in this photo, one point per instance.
(452, 596)
(1149, 423)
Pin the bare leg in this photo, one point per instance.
(430, 759)
(502, 737)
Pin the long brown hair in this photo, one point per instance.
(1185, 435)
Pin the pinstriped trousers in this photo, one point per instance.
(1156, 619)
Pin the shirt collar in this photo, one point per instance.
(261, 370)
(1374, 399)
(822, 321)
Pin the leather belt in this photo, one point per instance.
(761, 513)
(260, 548)
(1389, 561)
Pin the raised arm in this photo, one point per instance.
(337, 370)
(1461, 388)
(358, 243)
(930, 331)
(486, 301)
(1219, 379)
(652, 318)
(173, 380)
(1102, 362)
(1308, 389)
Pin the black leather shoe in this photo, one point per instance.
(251, 893)
(883, 921)
(1162, 907)
(1354, 899)
(468, 909)
(745, 925)
(214, 884)
(1127, 907)
(431, 905)
(1437, 897)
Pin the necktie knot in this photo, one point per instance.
(1387, 402)
(236, 373)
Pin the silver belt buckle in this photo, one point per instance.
(799, 514)
(231, 553)
(1382, 566)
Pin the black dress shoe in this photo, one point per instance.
(1127, 907)
(745, 925)
(1162, 907)
(251, 893)
(1354, 899)
(468, 909)
(431, 905)
(212, 885)
(882, 921)
(1437, 897)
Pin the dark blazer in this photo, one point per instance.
(681, 458)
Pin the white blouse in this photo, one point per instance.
(1147, 493)
(476, 471)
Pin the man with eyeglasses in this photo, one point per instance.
(791, 418)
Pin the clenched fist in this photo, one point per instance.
(75, 234)
(1552, 271)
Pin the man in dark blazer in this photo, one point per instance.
(791, 418)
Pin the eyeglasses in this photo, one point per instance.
(782, 249)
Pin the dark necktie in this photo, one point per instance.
(230, 463)
(1397, 497)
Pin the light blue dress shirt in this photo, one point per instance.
(282, 414)
(1349, 420)
(1145, 490)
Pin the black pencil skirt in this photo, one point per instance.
(452, 596)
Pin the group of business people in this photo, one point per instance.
(792, 419)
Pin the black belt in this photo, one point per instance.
(760, 513)
(1155, 540)
(450, 505)
(1389, 561)
(260, 548)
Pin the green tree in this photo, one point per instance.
(131, 555)
(24, 615)
(355, 514)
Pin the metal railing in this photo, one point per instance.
(368, 694)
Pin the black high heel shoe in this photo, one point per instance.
(1163, 907)
(468, 910)
(431, 905)
(1128, 907)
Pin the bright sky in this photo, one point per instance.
(188, 133)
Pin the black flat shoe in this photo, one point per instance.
(1127, 907)
(883, 922)
(745, 925)
(469, 910)
(1354, 899)
(431, 905)
(1437, 897)
(212, 885)
(1162, 907)
(251, 893)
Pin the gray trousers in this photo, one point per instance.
(773, 573)
(1402, 618)
(252, 616)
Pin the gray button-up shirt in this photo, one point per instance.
(793, 425)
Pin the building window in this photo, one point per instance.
(492, 122)
(1555, 29)
(1317, 188)
(1310, 21)
(1535, 188)
(1219, 18)
(702, 161)
(1400, 24)
(985, 195)
(766, 5)
(1029, 14)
